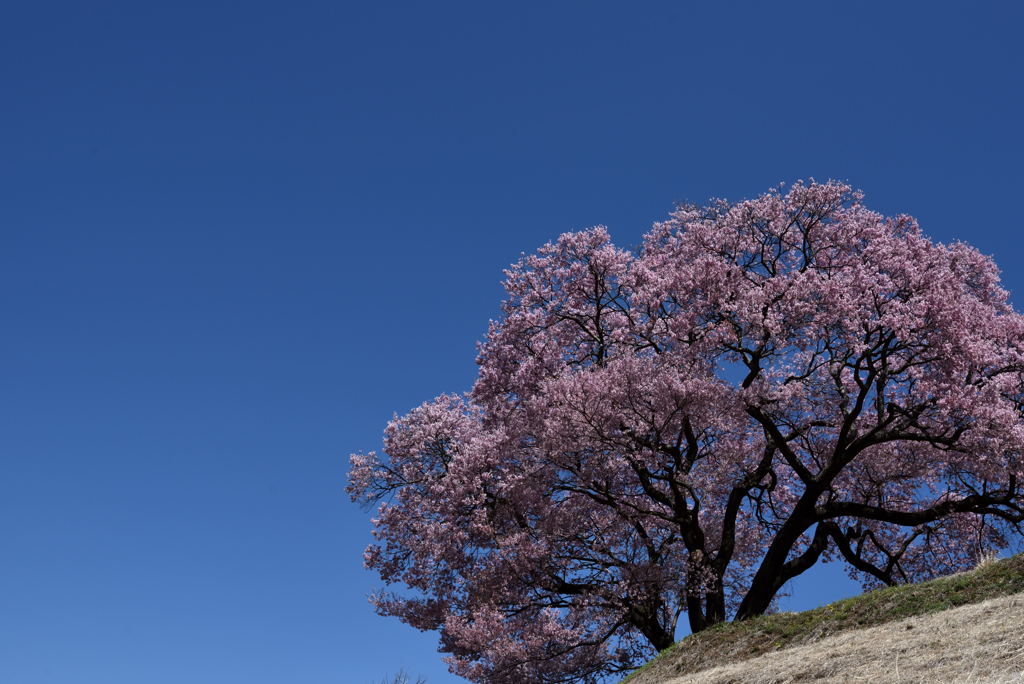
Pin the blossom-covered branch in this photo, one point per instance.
(683, 429)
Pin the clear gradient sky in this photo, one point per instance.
(235, 237)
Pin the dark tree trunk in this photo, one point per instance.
(774, 571)
(714, 601)
(706, 607)
(695, 613)
(659, 637)
(646, 620)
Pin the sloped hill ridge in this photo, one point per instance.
(980, 642)
(799, 647)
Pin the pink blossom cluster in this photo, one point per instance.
(681, 430)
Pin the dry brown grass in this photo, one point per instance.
(727, 645)
(983, 642)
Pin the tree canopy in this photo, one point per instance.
(683, 428)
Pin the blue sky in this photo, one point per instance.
(236, 237)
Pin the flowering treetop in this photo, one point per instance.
(762, 385)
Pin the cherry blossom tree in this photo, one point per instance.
(685, 428)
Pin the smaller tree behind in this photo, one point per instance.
(402, 678)
(683, 430)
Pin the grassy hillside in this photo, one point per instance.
(733, 642)
(979, 643)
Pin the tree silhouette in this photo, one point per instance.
(686, 428)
